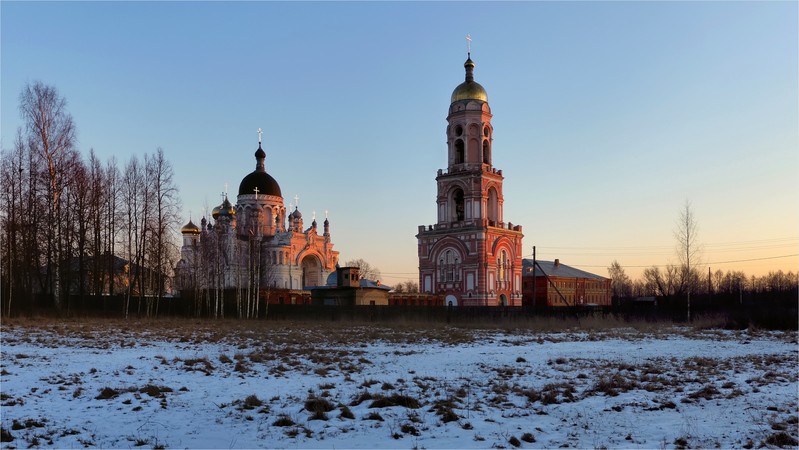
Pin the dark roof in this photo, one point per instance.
(561, 270)
(263, 181)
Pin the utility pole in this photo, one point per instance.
(534, 280)
(709, 286)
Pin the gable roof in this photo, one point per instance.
(559, 270)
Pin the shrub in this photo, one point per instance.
(283, 421)
(528, 437)
(315, 405)
(346, 413)
(5, 435)
(782, 439)
(318, 415)
(707, 392)
(409, 429)
(252, 402)
(514, 441)
(395, 400)
(107, 393)
(155, 391)
(360, 398)
(373, 416)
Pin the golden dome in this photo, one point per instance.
(469, 89)
(215, 212)
(226, 208)
(190, 228)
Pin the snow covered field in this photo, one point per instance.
(199, 384)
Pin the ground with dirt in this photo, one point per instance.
(202, 384)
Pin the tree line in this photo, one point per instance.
(673, 281)
(75, 227)
(683, 279)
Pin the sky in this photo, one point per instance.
(608, 116)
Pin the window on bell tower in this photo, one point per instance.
(459, 152)
(493, 206)
(457, 205)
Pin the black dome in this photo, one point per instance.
(263, 181)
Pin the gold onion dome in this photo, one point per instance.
(190, 228)
(226, 209)
(469, 89)
(215, 212)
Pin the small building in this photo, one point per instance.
(556, 284)
(346, 288)
(415, 299)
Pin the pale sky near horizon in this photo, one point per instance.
(608, 116)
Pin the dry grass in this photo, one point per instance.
(336, 352)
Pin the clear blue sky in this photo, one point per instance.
(607, 115)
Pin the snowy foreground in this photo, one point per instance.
(243, 385)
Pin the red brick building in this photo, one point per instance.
(557, 284)
(472, 256)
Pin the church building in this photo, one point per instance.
(472, 255)
(256, 244)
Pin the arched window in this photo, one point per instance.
(457, 205)
(459, 152)
(486, 152)
(449, 266)
(493, 205)
(503, 266)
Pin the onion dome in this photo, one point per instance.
(469, 89)
(190, 228)
(296, 214)
(215, 212)
(226, 209)
(259, 182)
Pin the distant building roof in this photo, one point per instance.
(556, 269)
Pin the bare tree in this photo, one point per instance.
(110, 212)
(620, 283)
(166, 220)
(131, 186)
(688, 250)
(50, 133)
(407, 287)
(367, 271)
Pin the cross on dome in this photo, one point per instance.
(256, 192)
(260, 132)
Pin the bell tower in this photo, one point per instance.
(471, 256)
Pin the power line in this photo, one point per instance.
(704, 264)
